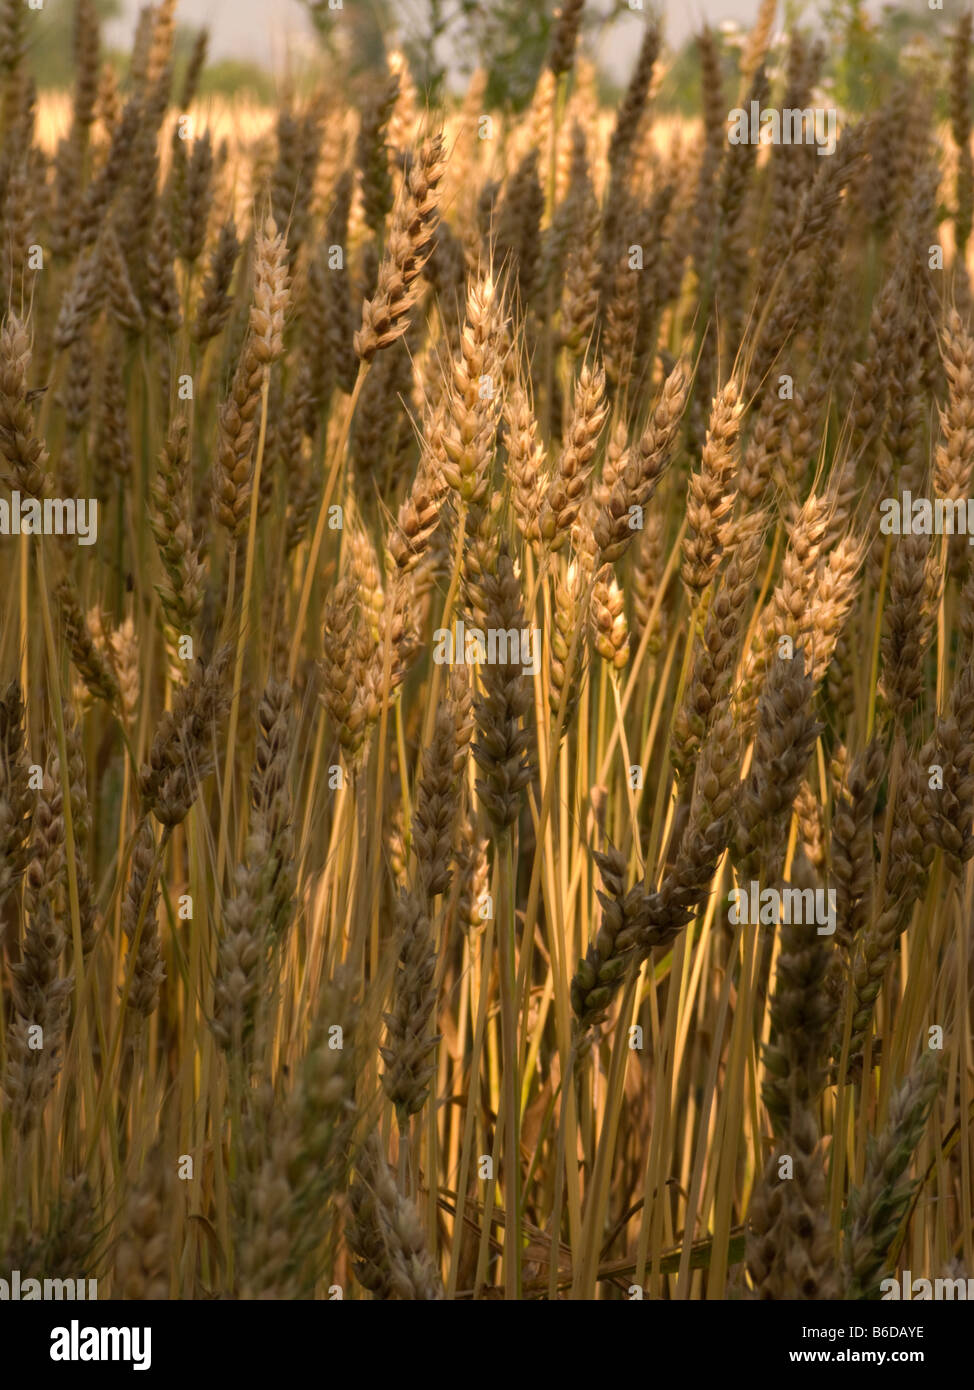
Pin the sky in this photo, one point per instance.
(265, 30)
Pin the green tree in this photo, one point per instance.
(509, 38)
(50, 40)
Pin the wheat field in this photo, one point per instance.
(486, 682)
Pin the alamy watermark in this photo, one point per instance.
(54, 516)
(923, 1290)
(918, 516)
(756, 906)
(790, 126)
(77, 1343)
(498, 646)
(17, 1289)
